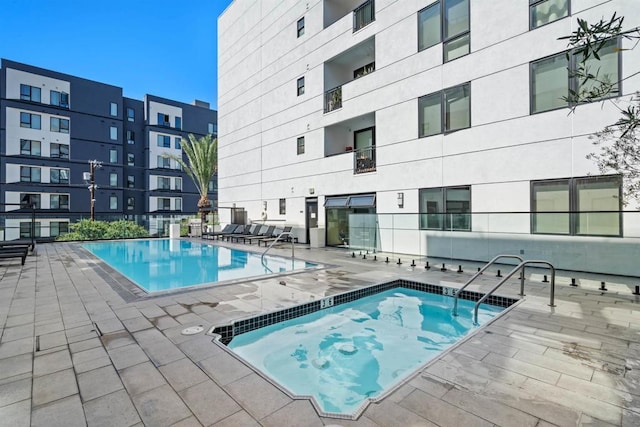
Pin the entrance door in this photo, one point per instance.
(312, 215)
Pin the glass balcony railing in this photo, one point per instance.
(333, 99)
(364, 160)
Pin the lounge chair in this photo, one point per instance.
(14, 252)
(18, 243)
(227, 229)
(240, 230)
(254, 232)
(287, 238)
(268, 233)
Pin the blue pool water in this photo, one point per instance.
(345, 354)
(165, 264)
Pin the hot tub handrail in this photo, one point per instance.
(552, 289)
(487, 265)
(284, 233)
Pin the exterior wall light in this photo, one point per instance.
(401, 200)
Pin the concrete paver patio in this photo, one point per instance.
(76, 348)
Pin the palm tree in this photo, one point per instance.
(201, 165)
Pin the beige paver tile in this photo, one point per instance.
(140, 378)
(17, 347)
(114, 409)
(612, 395)
(16, 391)
(90, 354)
(17, 332)
(239, 419)
(546, 361)
(257, 396)
(57, 385)
(64, 412)
(92, 364)
(199, 348)
(129, 355)
(523, 368)
(296, 413)
(183, 374)
(208, 402)
(79, 346)
(388, 413)
(98, 382)
(160, 406)
(17, 414)
(138, 323)
(52, 362)
(439, 411)
(430, 384)
(187, 422)
(116, 339)
(15, 365)
(224, 368)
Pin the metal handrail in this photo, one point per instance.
(497, 257)
(552, 290)
(287, 233)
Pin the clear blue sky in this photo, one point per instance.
(166, 48)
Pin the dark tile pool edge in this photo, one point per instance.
(238, 327)
(218, 331)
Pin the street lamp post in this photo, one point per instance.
(91, 178)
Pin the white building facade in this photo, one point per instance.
(430, 128)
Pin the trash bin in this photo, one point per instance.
(316, 237)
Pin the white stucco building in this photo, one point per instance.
(441, 124)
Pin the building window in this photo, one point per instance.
(30, 93)
(178, 203)
(56, 228)
(300, 86)
(212, 187)
(131, 159)
(554, 76)
(210, 128)
(131, 114)
(29, 200)
(164, 141)
(59, 151)
(163, 120)
(29, 147)
(178, 122)
(164, 204)
(113, 109)
(445, 208)
(131, 203)
(164, 183)
(131, 136)
(542, 12)
(57, 124)
(113, 179)
(60, 99)
(113, 155)
(59, 176)
(300, 145)
(178, 184)
(25, 230)
(445, 21)
(164, 162)
(586, 206)
(28, 120)
(113, 133)
(59, 201)
(445, 111)
(113, 202)
(283, 206)
(177, 143)
(131, 181)
(29, 174)
(364, 70)
(363, 15)
(300, 26)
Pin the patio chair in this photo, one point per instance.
(254, 232)
(240, 230)
(14, 252)
(268, 233)
(287, 238)
(227, 229)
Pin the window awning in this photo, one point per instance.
(359, 201)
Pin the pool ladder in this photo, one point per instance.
(521, 267)
(284, 233)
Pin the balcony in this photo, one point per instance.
(352, 64)
(363, 15)
(364, 160)
(335, 10)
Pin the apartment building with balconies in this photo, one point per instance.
(52, 124)
(435, 128)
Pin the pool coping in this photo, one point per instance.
(129, 291)
(248, 324)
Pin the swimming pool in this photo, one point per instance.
(347, 354)
(168, 264)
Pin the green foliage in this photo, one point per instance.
(96, 230)
(201, 164)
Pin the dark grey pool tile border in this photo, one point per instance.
(238, 327)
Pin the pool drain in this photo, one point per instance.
(192, 330)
